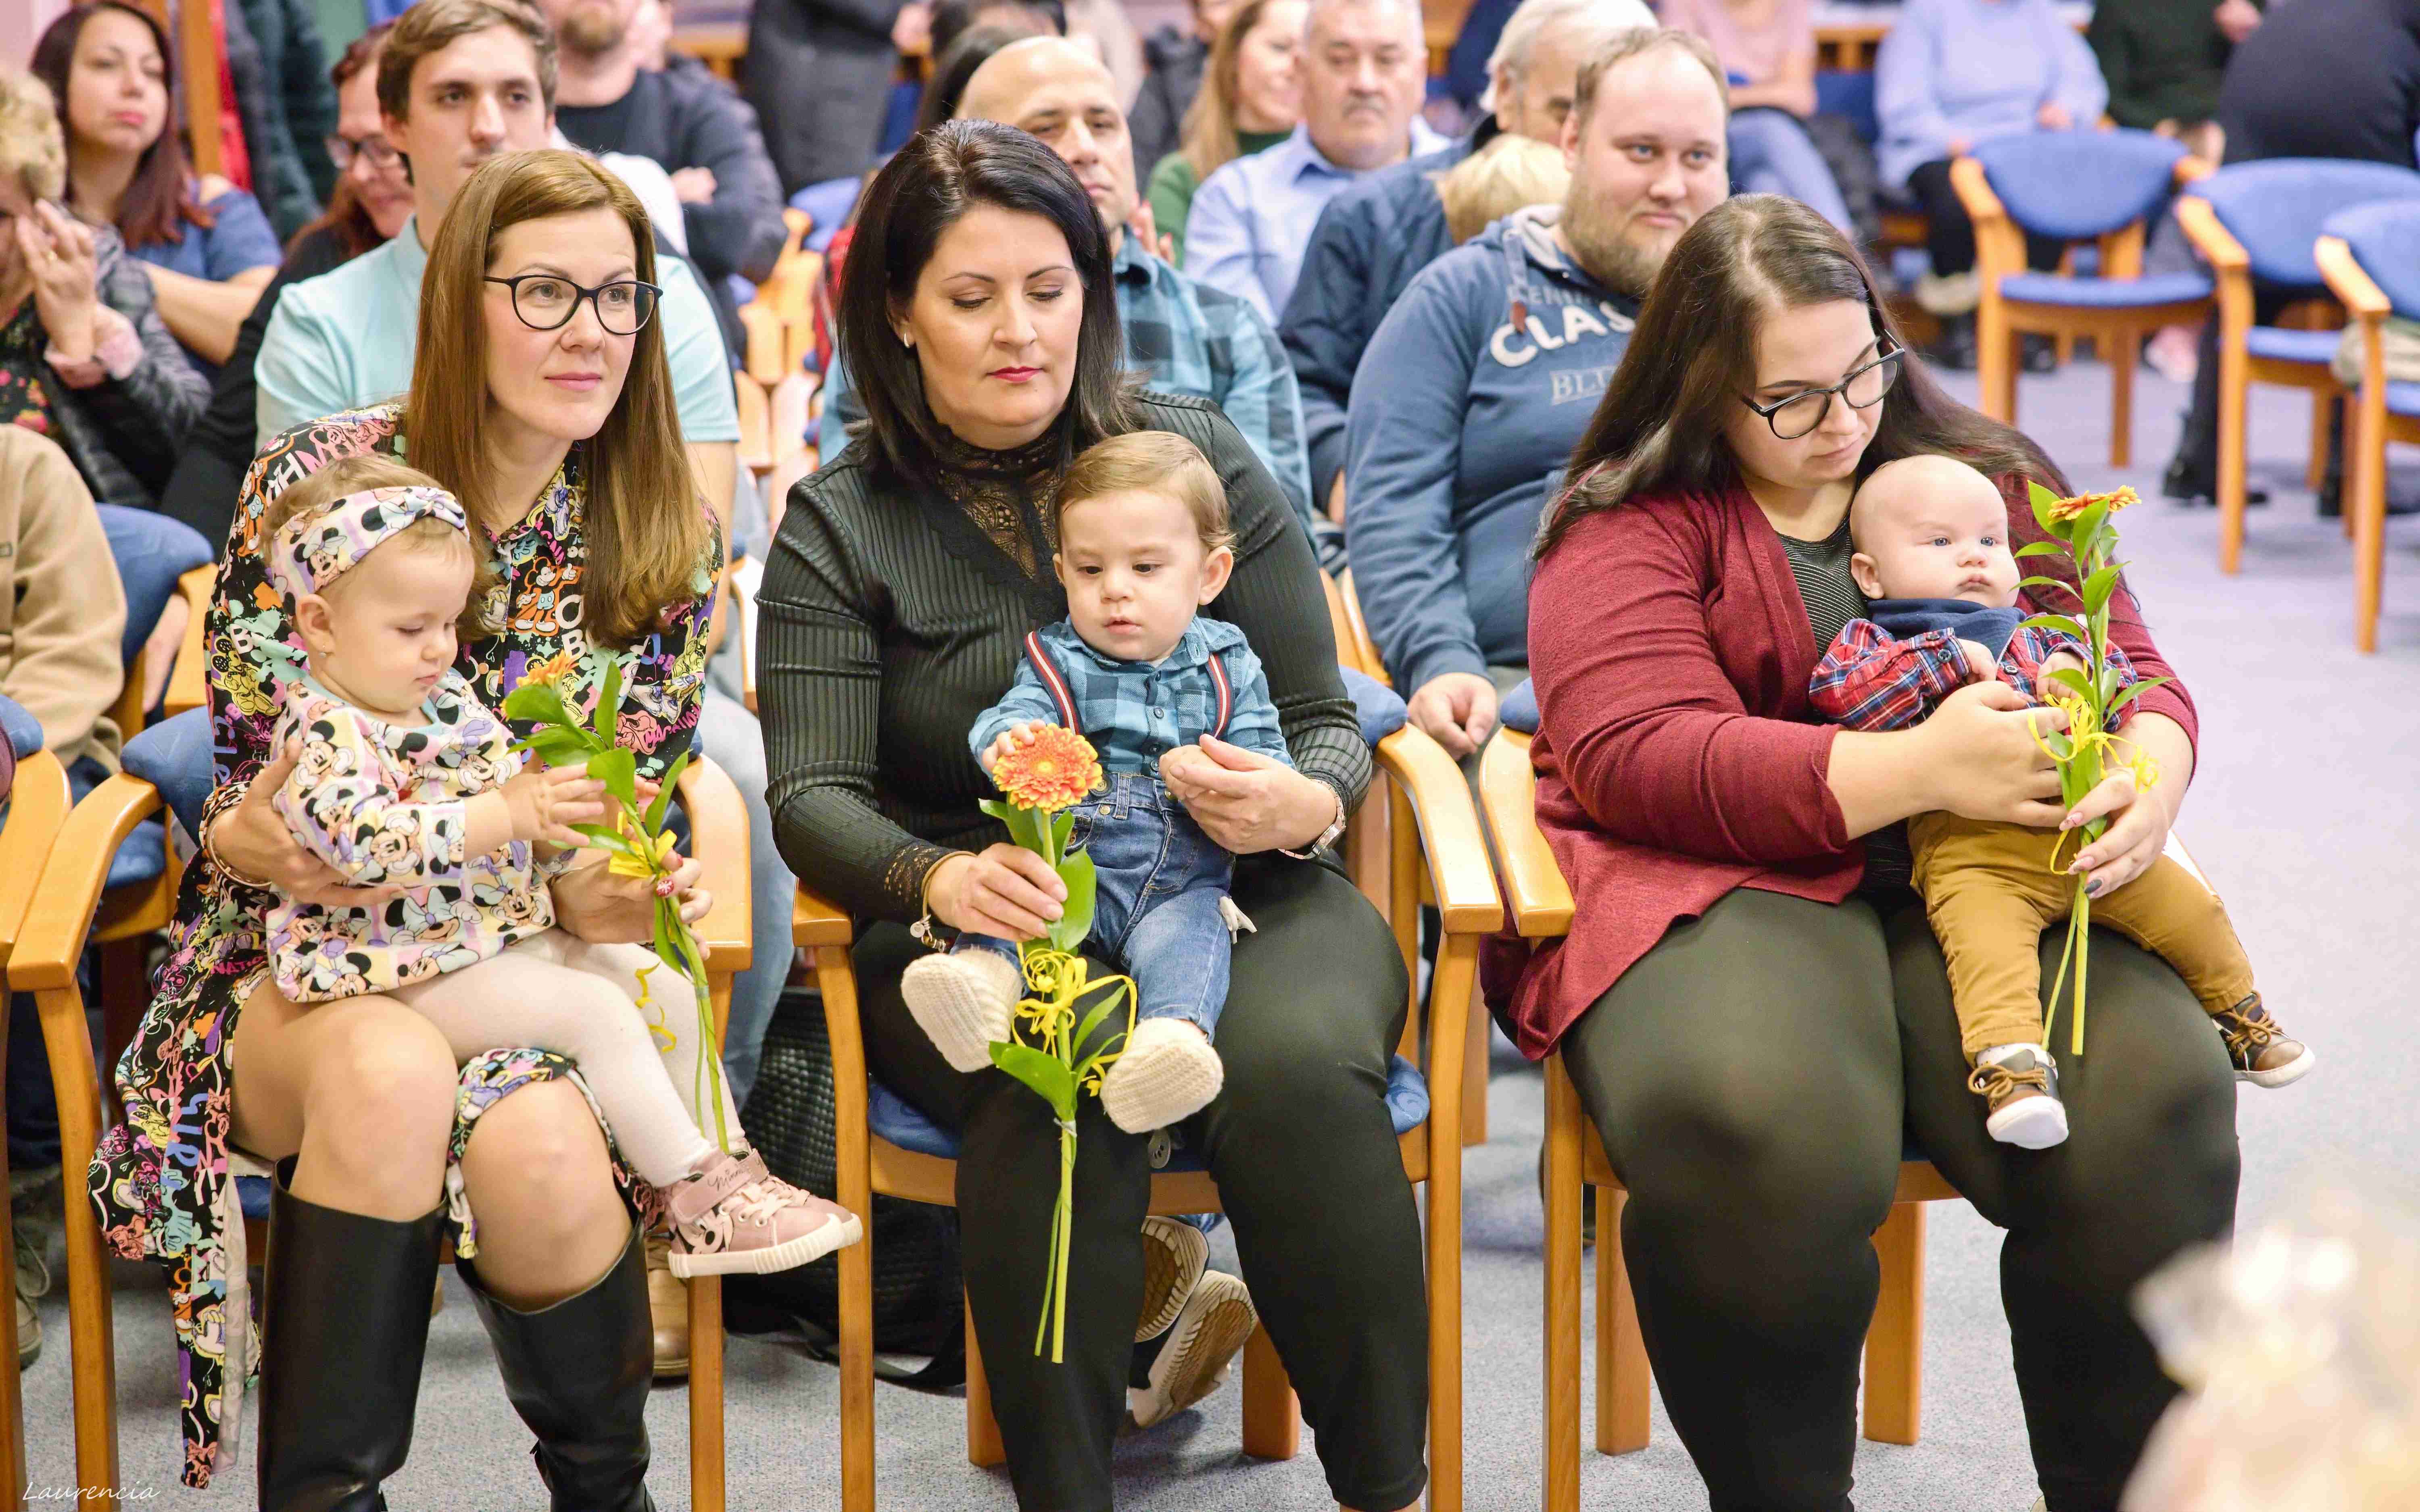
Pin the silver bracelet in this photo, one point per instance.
(1326, 837)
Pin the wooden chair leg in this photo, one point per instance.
(854, 1184)
(2233, 383)
(1895, 1343)
(1272, 1416)
(2316, 470)
(1996, 364)
(1562, 1316)
(2364, 503)
(705, 1441)
(982, 1429)
(1474, 1073)
(90, 1326)
(2125, 349)
(12, 1399)
(1621, 1370)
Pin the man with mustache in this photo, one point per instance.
(1364, 70)
(1496, 358)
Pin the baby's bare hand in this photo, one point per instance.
(547, 801)
(1009, 740)
(1980, 663)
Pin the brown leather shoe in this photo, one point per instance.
(668, 1301)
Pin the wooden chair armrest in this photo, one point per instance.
(1449, 834)
(1365, 649)
(1533, 884)
(767, 342)
(743, 624)
(2212, 238)
(2349, 282)
(1974, 188)
(755, 450)
(717, 827)
(189, 681)
(38, 802)
(814, 920)
(2192, 170)
(51, 940)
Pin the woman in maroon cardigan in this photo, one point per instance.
(1750, 999)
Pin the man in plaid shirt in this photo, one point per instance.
(1183, 335)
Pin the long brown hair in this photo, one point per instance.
(346, 215)
(645, 525)
(159, 197)
(1659, 428)
(1209, 143)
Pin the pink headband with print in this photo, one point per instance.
(313, 550)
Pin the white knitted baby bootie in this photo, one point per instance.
(963, 1002)
(1167, 1073)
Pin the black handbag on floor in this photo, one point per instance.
(919, 1306)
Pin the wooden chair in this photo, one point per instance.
(1541, 906)
(59, 924)
(1437, 801)
(2101, 185)
(2255, 220)
(2367, 256)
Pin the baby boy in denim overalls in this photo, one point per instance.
(1144, 543)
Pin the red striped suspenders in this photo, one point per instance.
(1056, 683)
(1226, 696)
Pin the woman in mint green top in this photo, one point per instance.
(1248, 103)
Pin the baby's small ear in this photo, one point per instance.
(1861, 572)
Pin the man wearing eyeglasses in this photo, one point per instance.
(461, 82)
(1493, 361)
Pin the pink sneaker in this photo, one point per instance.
(731, 1214)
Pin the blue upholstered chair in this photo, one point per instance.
(1430, 851)
(2078, 186)
(1541, 906)
(2258, 220)
(2370, 257)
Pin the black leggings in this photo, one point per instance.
(1308, 1169)
(1753, 1075)
(1950, 233)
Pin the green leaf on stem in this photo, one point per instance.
(608, 713)
(1051, 1080)
(2052, 622)
(556, 746)
(2038, 580)
(1074, 920)
(2074, 681)
(603, 839)
(539, 702)
(2097, 589)
(2039, 549)
(2043, 498)
(655, 814)
(2061, 747)
(618, 769)
(1109, 1001)
(1024, 824)
(2127, 695)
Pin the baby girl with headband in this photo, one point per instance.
(405, 778)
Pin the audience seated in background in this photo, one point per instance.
(372, 201)
(1173, 63)
(1183, 336)
(85, 357)
(205, 243)
(2163, 60)
(1252, 100)
(1508, 174)
(1374, 235)
(953, 18)
(1767, 48)
(2318, 79)
(818, 73)
(685, 120)
(1952, 73)
(1494, 362)
(1364, 69)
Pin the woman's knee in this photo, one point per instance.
(382, 1081)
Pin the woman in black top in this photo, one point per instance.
(978, 319)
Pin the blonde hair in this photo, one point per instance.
(1151, 461)
(645, 525)
(1508, 172)
(33, 149)
(348, 475)
(1209, 141)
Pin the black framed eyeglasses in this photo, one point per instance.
(377, 150)
(546, 302)
(1801, 413)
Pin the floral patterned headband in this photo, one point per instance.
(313, 550)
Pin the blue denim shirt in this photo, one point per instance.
(1134, 712)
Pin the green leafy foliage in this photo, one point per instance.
(618, 769)
(609, 705)
(1051, 1079)
(671, 779)
(1074, 920)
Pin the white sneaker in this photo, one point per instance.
(1174, 1253)
(1167, 1073)
(964, 1003)
(1209, 1332)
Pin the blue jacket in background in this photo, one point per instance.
(1973, 69)
(1493, 362)
(1371, 241)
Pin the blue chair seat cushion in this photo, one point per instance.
(893, 1118)
(1381, 709)
(175, 756)
(2104, 293)
(141, 859)
(1519, 709)
(24, 732)
(2279, 344)
(2403, 398)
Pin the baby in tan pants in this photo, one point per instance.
(1934, 559)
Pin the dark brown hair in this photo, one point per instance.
(1659, 428)
(645, 525)
(1208, 142)
(1150, 461)
(934, 179)
(159, 197)
(433, 26)
(345, 214)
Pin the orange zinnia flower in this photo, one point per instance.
(551, 668)
(1052, 772)
(2068, 510)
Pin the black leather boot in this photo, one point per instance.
(577, 1373)
(345, 1327)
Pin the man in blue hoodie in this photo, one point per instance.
(1494, 359)
(1377, 233)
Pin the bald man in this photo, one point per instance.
(1364, 65)
(1183, 336)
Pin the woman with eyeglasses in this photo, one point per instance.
(540, 396)
(206, 244)
(1750, 999)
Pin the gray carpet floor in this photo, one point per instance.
(2304, 814)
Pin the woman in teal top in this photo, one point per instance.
(1247, 104)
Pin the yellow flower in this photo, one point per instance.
(2067, 511)
(551, 668)
(645, 859)
(1051, 772)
